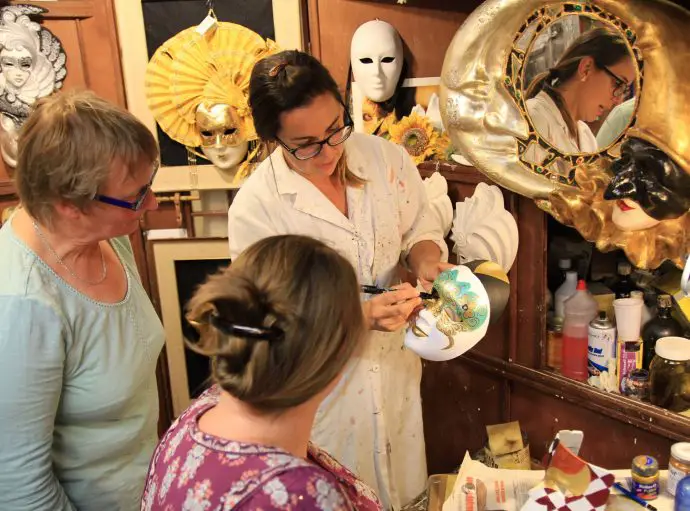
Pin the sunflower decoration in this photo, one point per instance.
(375, 118)
(418, 136)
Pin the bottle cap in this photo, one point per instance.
(639, 295)
(664, 301)
(624, 268)
(564, 264)
(673, 348)
(581, 285)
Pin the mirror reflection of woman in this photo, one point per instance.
(594, 74)
(364, 196)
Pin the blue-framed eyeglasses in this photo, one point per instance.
(134, 205)
(312, 149)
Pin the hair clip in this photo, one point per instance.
(250, 332)
(277, 69)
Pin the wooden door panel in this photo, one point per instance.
(86, 29)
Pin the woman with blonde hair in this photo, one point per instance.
(280, 324)
(79, 338)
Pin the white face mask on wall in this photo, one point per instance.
(376, 55)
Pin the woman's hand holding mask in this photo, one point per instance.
(391, 311)
(427, 271)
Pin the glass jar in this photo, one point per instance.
(637, 384)
(645, 477)
(670, 374)
(678, 465)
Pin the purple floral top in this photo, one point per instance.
(192, 470)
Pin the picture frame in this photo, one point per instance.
(166, 254)
(288, 18)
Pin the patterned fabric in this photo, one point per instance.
(194, 471)
(594, 499)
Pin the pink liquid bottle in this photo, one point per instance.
(580, 310)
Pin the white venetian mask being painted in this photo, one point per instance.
(456, 321)
(376, 55)
(222, 140)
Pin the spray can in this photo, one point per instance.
(601, 344)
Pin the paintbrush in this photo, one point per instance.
(375, 290)
(632, 496)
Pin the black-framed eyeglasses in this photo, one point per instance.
(313, 149)
(134, 205)
(622, 88)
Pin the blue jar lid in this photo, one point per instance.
(682, 501)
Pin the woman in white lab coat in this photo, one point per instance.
(593, 75)
(364, 197)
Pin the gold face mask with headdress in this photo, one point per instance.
(197, 86)
(662, 120)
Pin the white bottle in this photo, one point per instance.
(646, 313)
(565, 291)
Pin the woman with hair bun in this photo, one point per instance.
(280, 324)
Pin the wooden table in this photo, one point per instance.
(440, 486)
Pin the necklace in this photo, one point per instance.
(104, 272)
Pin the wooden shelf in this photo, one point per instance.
(630, 411)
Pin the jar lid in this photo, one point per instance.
(673, 348)
(645, 466)
(681, 451)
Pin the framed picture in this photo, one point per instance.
(180, 266)
(135, 19)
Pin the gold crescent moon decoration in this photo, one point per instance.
(483, 120)
(451, 343)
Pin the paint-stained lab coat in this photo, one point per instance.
(372, 421)
(550, 125)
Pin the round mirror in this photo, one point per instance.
(575, 76)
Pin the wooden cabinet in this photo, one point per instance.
(504, 378)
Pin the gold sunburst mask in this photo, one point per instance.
(199, 82)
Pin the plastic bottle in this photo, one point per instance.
(646, 313)
(580, 310)
(565, 291)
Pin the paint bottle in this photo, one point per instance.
(601, 344)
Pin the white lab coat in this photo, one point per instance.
(372, 421)
(550, 125)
